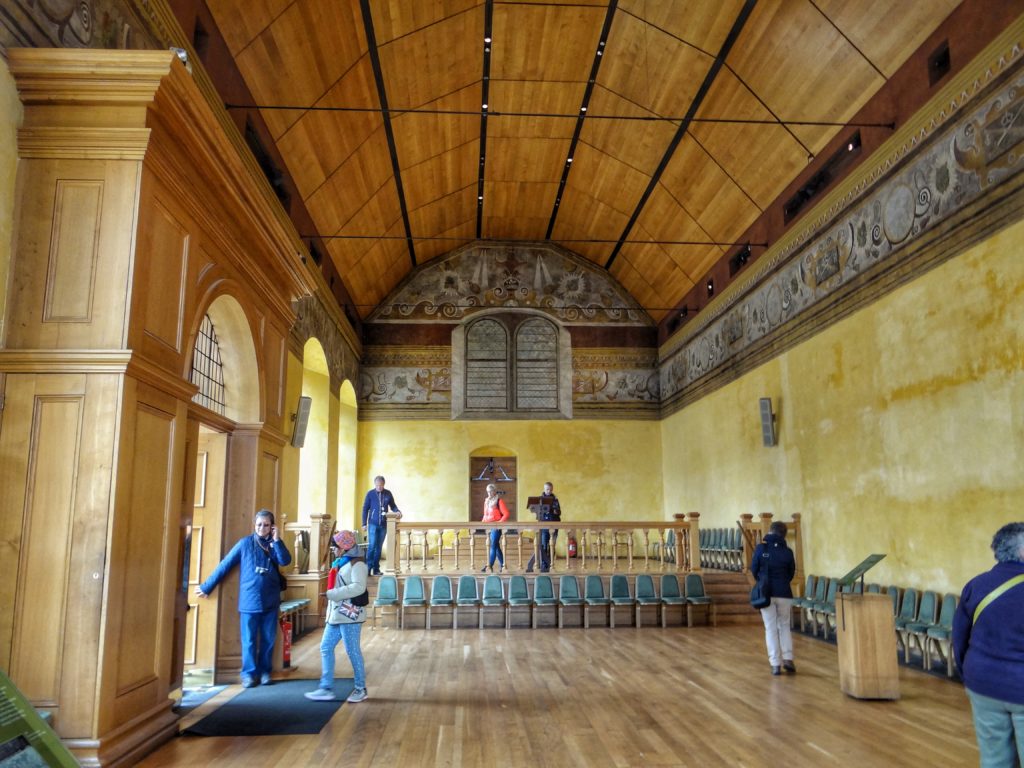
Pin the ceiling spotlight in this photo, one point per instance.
(711, 287)
(487, 40)
(684, 311)
(568, 161)
(485, 106)
(583, 109)
(480, 198)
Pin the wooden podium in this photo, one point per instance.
(866, 636)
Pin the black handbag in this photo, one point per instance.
(760, 594)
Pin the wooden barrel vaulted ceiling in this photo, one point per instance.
(645, 135)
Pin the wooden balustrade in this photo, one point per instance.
(448, 547)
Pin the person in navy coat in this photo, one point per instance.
(259, 594)
(774, 562)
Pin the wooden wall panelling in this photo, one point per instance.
(143, 556)
(56, 454)
(71, 263)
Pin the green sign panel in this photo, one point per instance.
(26, 741)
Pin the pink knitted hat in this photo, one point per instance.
(344, 541)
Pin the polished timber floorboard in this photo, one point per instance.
(599, 697)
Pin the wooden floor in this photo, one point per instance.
(654, 697)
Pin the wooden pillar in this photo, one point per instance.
(694, 520)
(747, 524)
(93, 443)
(796, 543)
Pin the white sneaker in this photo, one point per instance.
(320, 694)
(357, 695)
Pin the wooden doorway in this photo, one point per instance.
(500, 470)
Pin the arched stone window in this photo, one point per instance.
(512, 364)
(486, 366)
(207, 369)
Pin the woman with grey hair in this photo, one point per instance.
(988, 645)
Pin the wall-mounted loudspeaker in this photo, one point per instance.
(301, 419)
(767, 423)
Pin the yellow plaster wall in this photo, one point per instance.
(10, 119)
(900, 429)
(601, 470)
(290, 455)
(347, 484)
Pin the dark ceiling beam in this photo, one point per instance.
(584, 105)
(382, 95)
(485, 104)
(705, 87)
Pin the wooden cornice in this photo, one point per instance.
(64, 360)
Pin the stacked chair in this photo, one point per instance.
(940, 635)
(568, 597)
(696, 596)
(468, 597)
(413, 597)
(518, 597)
(493, 597)
(621, 596)
(440, 597)
(645, 595)
(594, 597)
(671, 595)
(387, 597)
(544, 597)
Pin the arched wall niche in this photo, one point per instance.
(243, 381)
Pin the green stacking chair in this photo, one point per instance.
(940, 635)
(518, 597)
(671, 594)
(620, 596)
(821, 610)
(915, 631)
(874, 589)
(440, 596)
(807, 612)
(543, 596)
(594, 597)
(413, 596)
(387, 597)
(894, 593)
(494, 596)
(645, 595)
(804, 600)
(468, 596)
(695, 595)
(568, 596)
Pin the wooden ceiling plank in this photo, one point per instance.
(440, 175)
(553, 43)
(393, 20)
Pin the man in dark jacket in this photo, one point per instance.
(773, 561)
(988, 645)
(375, 524)
(259, 594)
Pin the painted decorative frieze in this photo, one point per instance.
(615, 376)
(980, 152)
(545, 278)
(406, 375)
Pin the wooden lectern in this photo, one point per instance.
(866, 636)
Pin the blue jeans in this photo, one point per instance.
(350, 634)
(374, 544)
(999, 728)
(496, 549)
(259, 630)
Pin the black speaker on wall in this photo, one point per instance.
(301, 419)
(768, 436)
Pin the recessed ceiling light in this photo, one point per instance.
(583, 109)
(487, 39)
(569, 160)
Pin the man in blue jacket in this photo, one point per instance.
(259, 594)
(375, 506)
(988, 645)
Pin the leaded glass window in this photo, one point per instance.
(207, 371)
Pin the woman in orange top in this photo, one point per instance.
(495, 511)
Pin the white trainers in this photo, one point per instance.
(320, 694)
(357, 695)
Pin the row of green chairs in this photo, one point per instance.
(468, 596)
(923, 622)
(721, 548)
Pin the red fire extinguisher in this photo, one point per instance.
(572, 546)
(286, 642)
